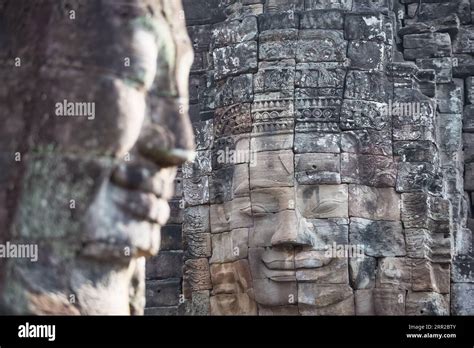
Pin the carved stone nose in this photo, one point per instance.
(287, 231)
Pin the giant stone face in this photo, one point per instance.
(314, 176)
(96, 103)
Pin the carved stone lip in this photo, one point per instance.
(280, 270)
(311, 263)
(283, 278)
(279, 265)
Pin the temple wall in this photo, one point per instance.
(349, 123)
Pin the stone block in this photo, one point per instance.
(272, 200)
(176, 211)
(427, 303)
(318, 168)
(450, 137)
(317, 111)
(272, 21)
(469, 88)
(201, 166)
(276, 264)
(275, 76)
(362, 272)
(377, 171)
(322, 75)
(367, 142)
(463, 65)
(463, 42)
(231, 215)
(207, 11)
(316, 267)
(328, 4)
(271, 293)
(462, 299)
(321, 46)
(428, 45)
(374, 203)
(275, 169)
(220, 185)
(364, 302)
(171, 237)
(196, 190)
(423, 244)
(421, 210)
(235, 59)
(414, 177)
(469, 176)
(273, 114)
(322, 19)
(268, 142)
(197, 274)
(227, 183)
(240, 180)
(371, 86)
(231, 278)
(415, 151)
(197, 245)
(232, 120)
(414, 132)
(363, 26)
(203, 134)
(233, 304)
(230, 151)
(443, 9)
(394, 272)
(274, 228)
(430, 276)
(234, 31)
(321, 234)
(371, 5)
(323, 201)
(366, 55)
(442, 66)
(200, 36)
(161, 293)
(317, 299)
(196, 220)
(450, 98)
(388, 301)
(361, 114)
(278, 44)
(317, 142)
(276, 6)
(199, 305)
(231, 91)
(463, 269)
(380, 238)
(230, 246)
(167, 264)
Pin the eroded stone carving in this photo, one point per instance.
(90, 176)
(353, 202)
